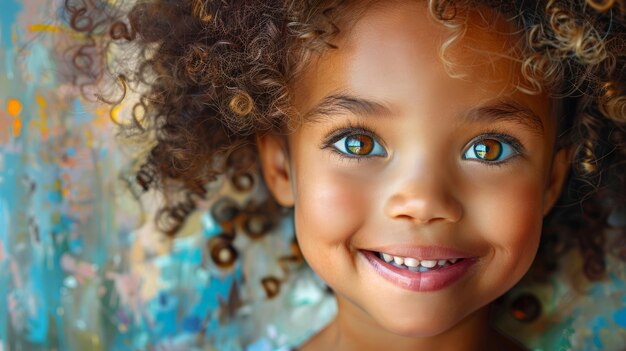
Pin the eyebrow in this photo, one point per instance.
(490, 112)
(506, 110)
(341, 103)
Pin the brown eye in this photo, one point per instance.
(493, 150)
(488, 149)
(359, 144)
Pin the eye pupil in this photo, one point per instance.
(359, 144)
(488, 149)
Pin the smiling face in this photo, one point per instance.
(394, 156)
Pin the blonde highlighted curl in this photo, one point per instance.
(213, 73)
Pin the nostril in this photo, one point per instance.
(418, 220)
(431, 207)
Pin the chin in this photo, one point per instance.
(423, 327)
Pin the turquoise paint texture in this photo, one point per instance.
(10, 9)
(74, 274)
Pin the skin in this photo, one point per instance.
(423, 190)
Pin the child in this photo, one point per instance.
(420, 144)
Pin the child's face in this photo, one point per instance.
(432, 162)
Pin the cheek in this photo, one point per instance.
(329, 211)
(329, 206)
(509, 219)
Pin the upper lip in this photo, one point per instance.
(423, 252)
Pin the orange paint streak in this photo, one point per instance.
(101, 117)
(17, 127)
(41, 101)
(14, 107)
(40, 27)
(89, 140)
(50, 28)
(115, 114)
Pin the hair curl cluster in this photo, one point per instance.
(213, 73)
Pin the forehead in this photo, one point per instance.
(384, 52)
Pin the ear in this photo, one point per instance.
(561, 164)
(276, 169)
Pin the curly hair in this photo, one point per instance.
(212, 74)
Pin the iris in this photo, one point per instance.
(359, 145)
(489, 150)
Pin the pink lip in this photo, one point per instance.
(420, 281)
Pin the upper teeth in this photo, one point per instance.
(413, 262)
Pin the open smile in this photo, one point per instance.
(419, 275)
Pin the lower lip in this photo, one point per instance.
(420, 281)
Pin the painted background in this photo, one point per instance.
(81, 268)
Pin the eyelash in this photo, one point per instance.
(358, 128)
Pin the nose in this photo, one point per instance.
(424, 198)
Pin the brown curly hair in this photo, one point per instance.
(212, 74)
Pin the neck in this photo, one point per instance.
(351, 331)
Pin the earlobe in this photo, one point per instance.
(561, 164)
(275, 166)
